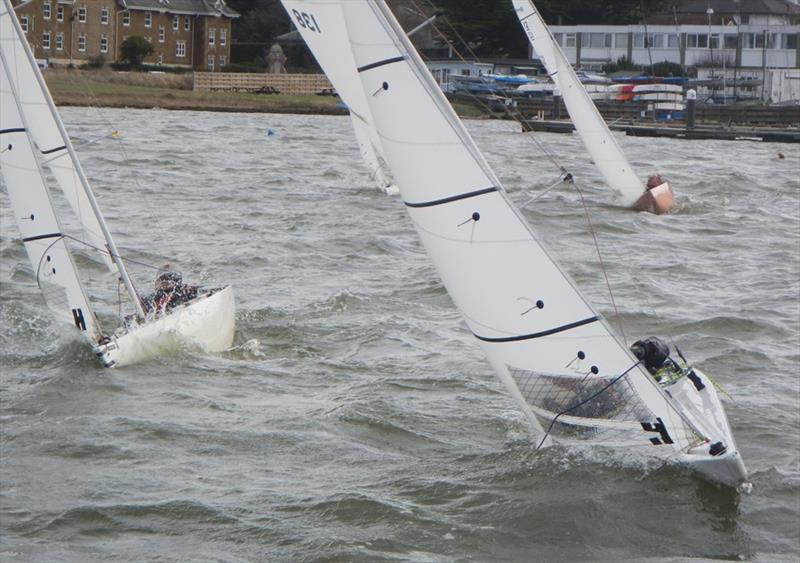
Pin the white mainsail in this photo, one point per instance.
(37, 221)
(32, 135)
(331, 49)
(590, 125)
(555, 354)
(47, 138)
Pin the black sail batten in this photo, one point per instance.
(41, 237)
(13, 130)
(452, 198)
(381, 63)
(50, 151)
(531, 336)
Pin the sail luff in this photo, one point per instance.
(36, 218)
(21, 43)
(486, 254)
(600, 143)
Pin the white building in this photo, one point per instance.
(744, 38)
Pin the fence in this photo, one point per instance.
(297, 84)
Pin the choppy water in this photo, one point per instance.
(357, 420)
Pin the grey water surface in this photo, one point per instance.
(356, 419)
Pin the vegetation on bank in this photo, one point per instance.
(105, 88)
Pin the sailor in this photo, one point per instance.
(170, 291)
(654, 354)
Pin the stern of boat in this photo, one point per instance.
(656, 200)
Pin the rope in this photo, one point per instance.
(602, 264)
(572, 408)
(105, 251)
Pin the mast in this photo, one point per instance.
(110, 245)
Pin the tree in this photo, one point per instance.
(135, 49)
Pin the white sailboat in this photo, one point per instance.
(558, 358)
(32, 139)
(655, 196)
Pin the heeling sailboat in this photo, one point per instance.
(655, 196)
(557, 357)
(32, 136)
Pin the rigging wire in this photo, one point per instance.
(483, 105)
(602, 263)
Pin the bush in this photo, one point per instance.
(666, 68)
(623, 63)
(96, 62)
(135, 49)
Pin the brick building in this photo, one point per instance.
(184, 33)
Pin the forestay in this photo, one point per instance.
(47, 139)
(38, 224)
(554, 353)
(590, 125)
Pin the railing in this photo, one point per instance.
(296, 84)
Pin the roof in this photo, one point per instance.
(769, 7)
(193, 7)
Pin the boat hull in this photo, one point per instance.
(656, 200)
(717, 458)
(206, 322)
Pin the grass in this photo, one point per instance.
(104, 88)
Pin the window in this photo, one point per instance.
(621, 40)
(569, 40)
(104, 16)
(46, 40)
(46, 10)
(697, 41)
(23, 21)
(221, 61)
(148, 19)
(187, 23)
(790, 41)
(162, 33)
(223, 36)
(160, 60)
(180, 48)
(59, 41)
(104, 43)
(730, 41)
(212, 36)
(673, 41)
(126, 18)
(82, 42)
(175, 23)
(211, 63)
(745, 19)
(559, 38)
(60, 13)
(714, 38)
(82, 14)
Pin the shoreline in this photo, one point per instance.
(105, 88)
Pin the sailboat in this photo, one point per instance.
(558, 358)
(33, 138)
(656, 195)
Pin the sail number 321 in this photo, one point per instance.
(306, 20)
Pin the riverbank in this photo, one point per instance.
(106, 88)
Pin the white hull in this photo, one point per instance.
(705, 411)
(206, 322)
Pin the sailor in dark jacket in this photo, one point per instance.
(170, 291)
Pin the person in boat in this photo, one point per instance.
(170, 291)
(654, 354)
